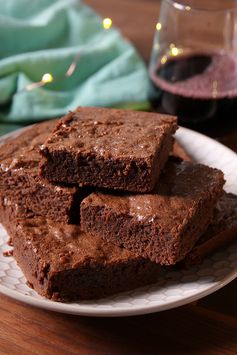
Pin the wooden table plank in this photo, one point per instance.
(48, 332)
(222, 301)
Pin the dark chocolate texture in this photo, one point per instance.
(109, 148)
(219, 233)
(19, 178)
(64, 264)
(162, 226)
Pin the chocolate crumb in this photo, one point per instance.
(8, 253)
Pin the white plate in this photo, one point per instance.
(175, 288)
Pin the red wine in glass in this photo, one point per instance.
(200, 88)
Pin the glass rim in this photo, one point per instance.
(179, 6)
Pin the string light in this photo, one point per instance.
(72, 66)
(47, 78)
(163, 59)
(158, 26)
(182, 7)
(178, 6)
(107, 23)
(174, 51)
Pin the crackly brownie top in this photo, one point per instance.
(65, 246)
(225, 217)
(181, 187)
(111, 132)
(22, 152)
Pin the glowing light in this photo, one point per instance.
(178, 6)
(158, 26)
(107, 23)
(163, 59)
(188, 8)
(47, 78)
(174, 51)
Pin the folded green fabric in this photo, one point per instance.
(90, 66)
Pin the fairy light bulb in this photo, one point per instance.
(47, 78)
(174, 51)
(163, 59)
(107, 23)
(158, 26)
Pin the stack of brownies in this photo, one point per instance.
(97, 202)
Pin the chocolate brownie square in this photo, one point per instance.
(219, 233)
(109, 148)
(162, 226)
(65, 264)
(19, 179)
(10, 211)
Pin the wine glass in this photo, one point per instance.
(193, 66)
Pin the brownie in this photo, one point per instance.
(19, 179)
(8, 216)
(109, 148)
(220, 232)
(162, 226)
(65, 264)
(179, 152)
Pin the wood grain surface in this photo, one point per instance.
(208, 326)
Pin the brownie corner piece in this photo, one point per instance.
(109, 148)
(65, 264)
(162, 226)
(221, 231)
(21, 185)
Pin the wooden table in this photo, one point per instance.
(208, 326)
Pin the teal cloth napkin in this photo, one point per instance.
(91, 66)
